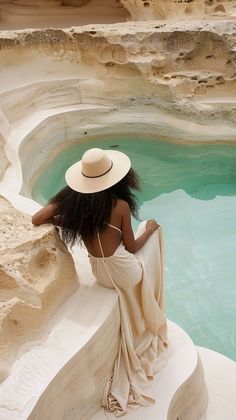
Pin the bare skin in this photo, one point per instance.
(110, 238)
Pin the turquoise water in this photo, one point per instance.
(191, 191)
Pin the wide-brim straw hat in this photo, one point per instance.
(97, 170)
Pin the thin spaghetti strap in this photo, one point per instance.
(99, 241)
(112, 226)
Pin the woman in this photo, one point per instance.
(96, 207)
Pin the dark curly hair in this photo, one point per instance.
(79, 215)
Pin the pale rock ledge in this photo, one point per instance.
(3, 159)
(37, 274)
(55, 13)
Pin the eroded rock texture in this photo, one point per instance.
(56, 13)
(109, 11)
(36, 275)
(164, 9)
(186, 68)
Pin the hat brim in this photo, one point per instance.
(78, 182)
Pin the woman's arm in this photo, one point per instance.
(131, 244)
(45, 215)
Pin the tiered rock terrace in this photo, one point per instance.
(170, 77)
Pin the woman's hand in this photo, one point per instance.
(152, 225)
(131, 244)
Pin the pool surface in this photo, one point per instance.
(191, 191)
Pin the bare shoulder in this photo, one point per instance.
(122, 206)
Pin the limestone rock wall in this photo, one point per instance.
(58, 13)
(36, 275)
(25, 13)
(165, 9)
(41, 13)
(186, 68)
(180, 74)
(177, 73)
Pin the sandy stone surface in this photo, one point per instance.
(185, 67)
(36, 275)
(80, 12)
(3, 159)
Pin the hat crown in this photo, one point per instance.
(95, 163)
(97, 171)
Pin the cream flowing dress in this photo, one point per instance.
(138, 280)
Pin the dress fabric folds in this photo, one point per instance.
(138, 280)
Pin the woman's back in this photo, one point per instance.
(110, 237)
